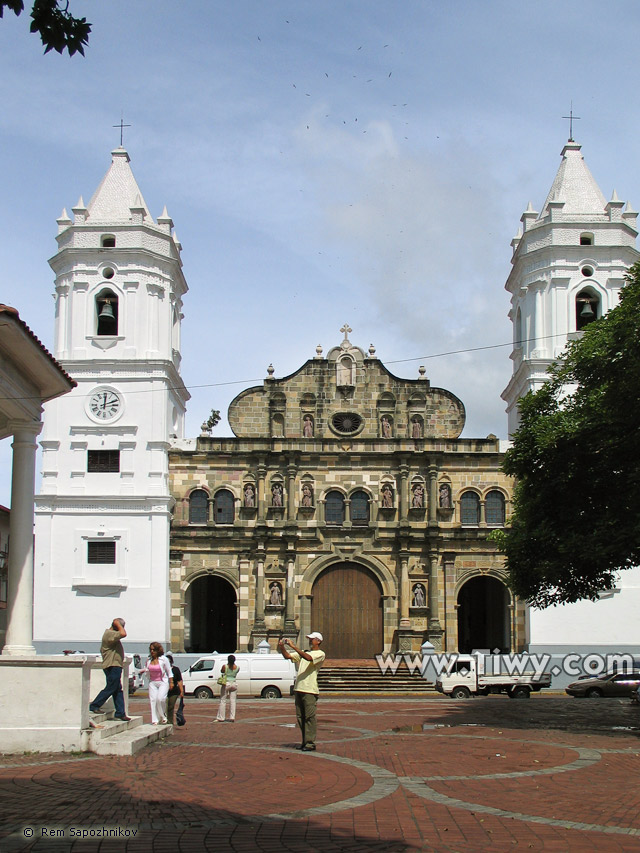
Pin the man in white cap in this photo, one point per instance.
(306, 686)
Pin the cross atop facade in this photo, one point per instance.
(345, 330)
(122, 126)
(571, 118)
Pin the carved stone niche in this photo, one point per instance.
(419, 593)
(275, 598)
(418, 500)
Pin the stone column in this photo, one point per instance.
(259, 631)
(19, 637)
(262, 473)
(433, 495)
(404, 591)
(289, 613)
(404, 492)
(435, 628)
(291, 492)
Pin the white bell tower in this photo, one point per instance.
(102, 518)
(569, 263)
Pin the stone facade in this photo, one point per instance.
(343, 464)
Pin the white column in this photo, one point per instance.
(19, 638)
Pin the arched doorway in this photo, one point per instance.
(347, 610)
(483, 616)
(210, 616)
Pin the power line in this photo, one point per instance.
(261, 379)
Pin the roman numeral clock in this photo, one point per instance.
(104, 404)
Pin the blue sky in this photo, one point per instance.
(324, 162)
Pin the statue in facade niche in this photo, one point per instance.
(416, 429)
(444, 496)
(419, 598)
(307, 426)
(249, 495)
(417, 501)
(276, 593)
(387, 496)
(385, 424)
(276, 495)
(307, 495)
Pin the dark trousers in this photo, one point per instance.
(113, 687)
(306, 716)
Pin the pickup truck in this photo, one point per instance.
(479, 675)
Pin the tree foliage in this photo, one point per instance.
(58, 29)
(575, 457)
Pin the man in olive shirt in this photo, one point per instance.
(112, 663)
(306, 686)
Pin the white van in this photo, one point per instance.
(268, 676)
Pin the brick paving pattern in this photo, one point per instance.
(548, 774)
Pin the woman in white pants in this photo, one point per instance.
(228, 691)
(160, 680)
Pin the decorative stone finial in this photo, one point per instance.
(372, 351)
(319, 351)
(270, 371)
(422, 370)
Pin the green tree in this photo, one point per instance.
(575, 457)
(58, 29)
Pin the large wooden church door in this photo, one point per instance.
(347, 610)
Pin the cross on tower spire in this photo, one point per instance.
(122, 126)
(571, 119)
(345, 330)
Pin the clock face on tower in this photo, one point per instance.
(104, 404)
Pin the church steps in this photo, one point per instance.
(362, 679)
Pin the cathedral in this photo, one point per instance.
(345, 501)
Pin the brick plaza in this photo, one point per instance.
(550, 773)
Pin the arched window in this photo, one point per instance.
(360, 508)
(469, 508)
(198, 503)
(223, 507)
(587, 308)
(494, 508)
(586, 239)
(334, 508)
(106, 313)
(108, 241)
(518, 329)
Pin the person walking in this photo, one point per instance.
(112, 662)
(306, 686)
(176, 691)
(229, 690)
(160, 681)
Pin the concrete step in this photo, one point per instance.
(130, 741)
(109, 727)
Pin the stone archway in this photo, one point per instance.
(347, 608)
(483, 615)
(211, 619)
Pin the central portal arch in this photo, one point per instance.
(347, 610)
(210, 616)
(483, 616)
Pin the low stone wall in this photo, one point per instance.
(44, 701)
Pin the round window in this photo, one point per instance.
(587, 271)
(108, 272)
(346, 422)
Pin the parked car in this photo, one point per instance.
(616, 684)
